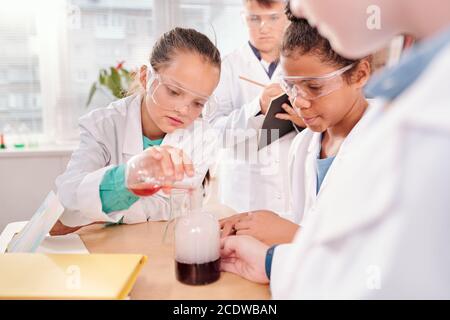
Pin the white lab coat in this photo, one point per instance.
(302, 163)
(109, 137)
(380, 230)
(248, 180)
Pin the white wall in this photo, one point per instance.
(26, 177)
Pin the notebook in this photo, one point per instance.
(34, 232)
(271, 123)
(68, 276)
(69, 243)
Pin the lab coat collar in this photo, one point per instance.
(373, 110)
(314, 149)
(315, 145)
(133, 143)
(272, 66)
(255, 50)
(254, 64)
(341, 154)
(311, 166)
(337, 216)
(394, 81)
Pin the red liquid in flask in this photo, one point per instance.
(144, 189)
(148, 189)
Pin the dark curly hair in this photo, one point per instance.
(301, 38)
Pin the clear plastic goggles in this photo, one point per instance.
(170, 95)
(311, 88)
(258, 20)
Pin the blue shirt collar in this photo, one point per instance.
(255, 51)
(150, 143)
(273, 65)
(391, 83)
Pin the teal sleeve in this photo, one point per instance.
(113, 192)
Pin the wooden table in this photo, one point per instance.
(157, 278)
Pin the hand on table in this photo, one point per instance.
(59, 229)
(244, 256)
(264, 225)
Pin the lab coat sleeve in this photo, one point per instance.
(78, 186)
(237, 118)
(278, 273)
(229, 116)
(205, 158)
(241, 123)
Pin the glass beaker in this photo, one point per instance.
(197, 245)
(179, 205)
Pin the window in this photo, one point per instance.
(52, 50)
(19, 63)
(213, 18)
(3, 76)
(4, 102)
(131, 25)
(102, 20)
(81, 75)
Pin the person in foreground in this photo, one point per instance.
(383, 232)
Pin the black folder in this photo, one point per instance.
(270, 123)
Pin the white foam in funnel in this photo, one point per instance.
(197, 238)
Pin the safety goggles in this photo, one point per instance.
(311, 88)
(258, 20)
(170, 95)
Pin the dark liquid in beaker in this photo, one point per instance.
(197, 273)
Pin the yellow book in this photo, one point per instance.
(68, 276)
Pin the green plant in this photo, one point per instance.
(116, 80)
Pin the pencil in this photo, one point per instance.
(252, 81)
